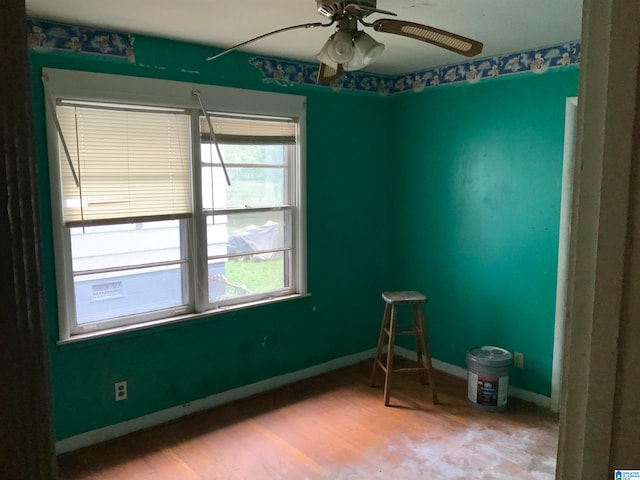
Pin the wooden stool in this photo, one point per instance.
(391, 329)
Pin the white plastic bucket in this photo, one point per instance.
(488, 377)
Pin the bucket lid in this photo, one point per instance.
(490, 356)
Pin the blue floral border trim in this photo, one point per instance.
(283, 72)
(52, 36)
(532, 61)
(44, 35)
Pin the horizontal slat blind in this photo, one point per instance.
(249, 131)
(132, 165)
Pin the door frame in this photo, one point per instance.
(566, 208)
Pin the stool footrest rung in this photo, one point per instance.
(412, 333)
(382, 366)
(407, 326)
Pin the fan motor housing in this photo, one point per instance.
(331, 8)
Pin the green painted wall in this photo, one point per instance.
(454, 192)
(347, 210)
(477, 172)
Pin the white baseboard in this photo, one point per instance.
(123, 428)
(460, 372)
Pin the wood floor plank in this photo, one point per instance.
(336, 427)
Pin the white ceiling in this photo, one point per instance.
(504, 26)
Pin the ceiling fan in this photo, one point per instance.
(349, 49)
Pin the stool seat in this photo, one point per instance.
(390, 329)
(404, 297)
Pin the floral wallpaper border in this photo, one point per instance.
(532, 61)
(42, 35)
(286, 72)
(535, 61)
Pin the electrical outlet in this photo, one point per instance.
(518, 360)
(120, 391)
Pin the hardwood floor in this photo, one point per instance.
(336, 427)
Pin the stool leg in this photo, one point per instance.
(385, 325)
(392, 341)
(429, 366)
(417, 332)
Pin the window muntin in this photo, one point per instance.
(203, 244)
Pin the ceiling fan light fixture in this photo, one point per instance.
(323, 55)
(340, 48)
(367, 48)
(356, 63)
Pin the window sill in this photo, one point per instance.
(82, 337)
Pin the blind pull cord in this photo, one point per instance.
(52, 109)
(196, 93)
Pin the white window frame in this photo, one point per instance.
(97, 87)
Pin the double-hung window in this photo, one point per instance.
(254, 213)
(162, 210)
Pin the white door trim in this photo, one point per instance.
(566, 207)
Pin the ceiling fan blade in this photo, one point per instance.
(363, 11)
(441, 38)
(259, 37)
(327, 73)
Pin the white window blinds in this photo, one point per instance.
(249, 131)
(132, 165)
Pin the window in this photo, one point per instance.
(147, 228)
